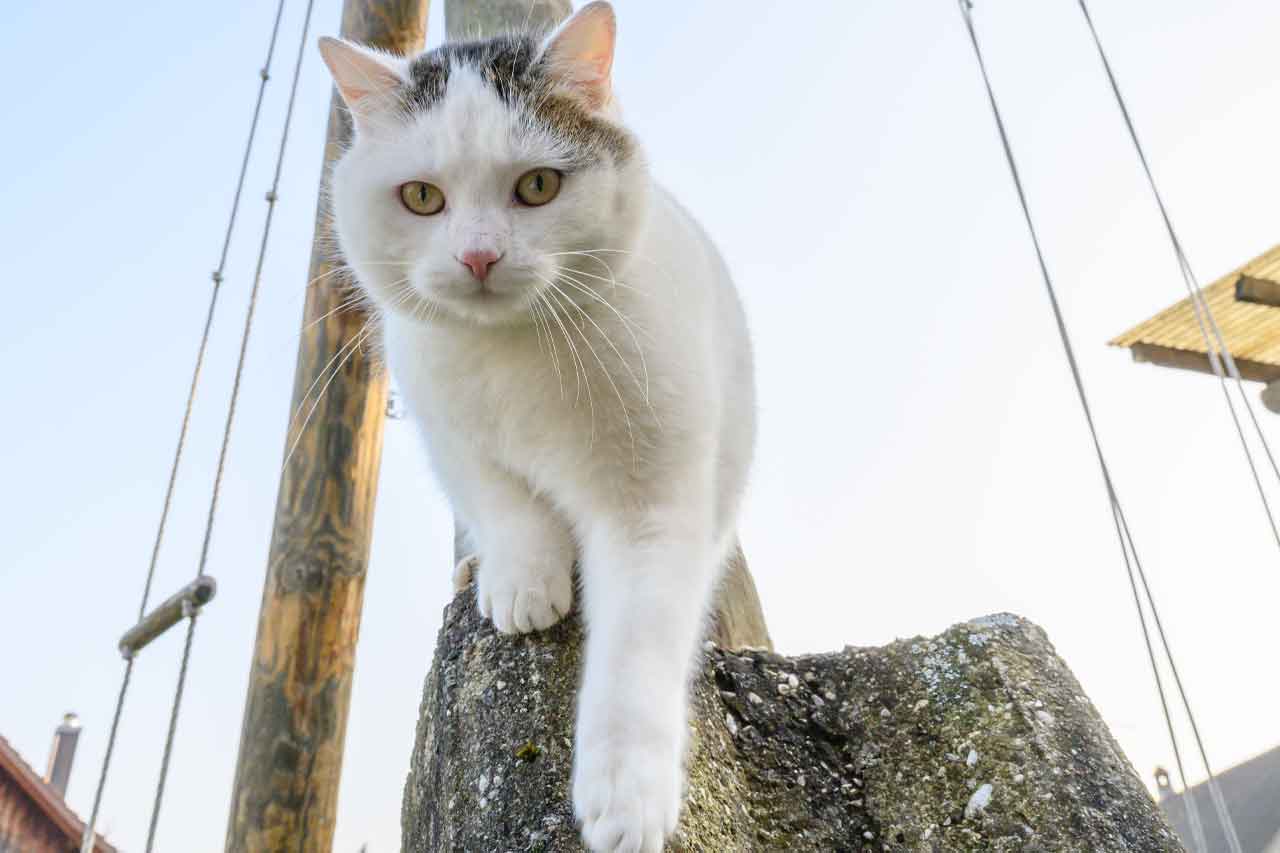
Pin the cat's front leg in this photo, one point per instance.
(646, 587)
(524, 576)
(524, 553)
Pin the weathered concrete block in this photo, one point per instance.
(976, 740)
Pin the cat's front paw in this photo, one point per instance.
(626, 795)
(519, 596)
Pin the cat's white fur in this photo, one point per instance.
(630, 456)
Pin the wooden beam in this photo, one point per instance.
(471, 19)
(164, 616)
(1262, 291)
(1199, 362)
(286, 785)
(21, 775)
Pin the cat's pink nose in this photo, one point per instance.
(479, 261)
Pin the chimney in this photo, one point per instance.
(63, 753)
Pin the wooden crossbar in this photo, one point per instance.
(168, 613)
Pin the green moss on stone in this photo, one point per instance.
(976, 740)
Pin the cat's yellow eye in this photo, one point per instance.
(422, 198)
(538, 186)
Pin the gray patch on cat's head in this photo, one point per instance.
(511, 66)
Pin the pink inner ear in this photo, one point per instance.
(358, 75)
(583, 51)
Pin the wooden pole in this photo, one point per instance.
(286, 786)
(470, 19)
(739, 618)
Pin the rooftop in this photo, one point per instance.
(45, 798)
(1250, 790)
(1246, 306)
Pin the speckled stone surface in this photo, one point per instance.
(979, 739)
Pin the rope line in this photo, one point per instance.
(217, 276)
(271, 197)
(1203, 313)
(1215, 347)
(1199, 844)
(87, 842)
(1124, 535)
(1220, 806)
(173, 728)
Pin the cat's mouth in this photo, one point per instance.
(494, 300)
(492, 290)
(485, 293)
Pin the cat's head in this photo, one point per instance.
(478, 169)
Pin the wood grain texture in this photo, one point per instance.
(25, 827)
(1253, 371)
(1263, 291)
(168, 613)
(472, 19)
(1240, 302)
(34, 816)
(286, 786)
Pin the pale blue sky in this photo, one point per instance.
(922, 458)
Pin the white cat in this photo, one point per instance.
(574, 349)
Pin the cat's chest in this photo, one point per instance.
(505, 395)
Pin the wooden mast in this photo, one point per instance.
(469, 19)
(286, 785)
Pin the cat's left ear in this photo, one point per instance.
(366, 79)
(580, 53)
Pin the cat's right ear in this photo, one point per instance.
(580, 52)
(366, 79)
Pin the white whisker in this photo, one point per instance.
(626, 417)
(540, 320)
(578, 363)
(644, 386)
(349, 302)
(572, 275)
(350, 350)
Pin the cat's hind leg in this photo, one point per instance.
(464, 572)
